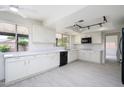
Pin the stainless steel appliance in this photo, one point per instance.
(122, 63)
(86, 40)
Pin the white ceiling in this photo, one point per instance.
(61, 16)
(47, 13)
(93, 14)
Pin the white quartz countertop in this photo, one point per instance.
(29, 53)
(95, 50)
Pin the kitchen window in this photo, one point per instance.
(13, 38)
(62, 40)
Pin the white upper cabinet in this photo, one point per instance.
(96, 37)
(77, 39)
(42, 34)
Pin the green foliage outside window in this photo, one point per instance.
(4, 48)
(64, 41)
(11, 37)
(23, 43)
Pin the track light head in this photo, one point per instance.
(100, 24)
(88, 27)
(81, 21)
(104, 19)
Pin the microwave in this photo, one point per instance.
(86, 40)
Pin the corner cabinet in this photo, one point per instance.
(90, 56)
(72, 55)
(42, 34)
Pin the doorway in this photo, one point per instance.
(111, 49)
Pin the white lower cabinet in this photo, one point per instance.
(91, 56)
(53, 60)
(15, 69)
(20, 67)
(72, 55)
(1, 66)
(82, 55)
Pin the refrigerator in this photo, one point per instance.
(122, 63)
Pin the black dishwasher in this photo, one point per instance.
(63, 58)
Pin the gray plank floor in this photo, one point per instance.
(77, 74)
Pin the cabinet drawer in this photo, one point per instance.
(14, 59)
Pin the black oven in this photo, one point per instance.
(86, 40)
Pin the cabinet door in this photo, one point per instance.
(69, 56)
(50, 36)
(75, 55)
(55, 58)
(41, 34)
(96, 38)
(77, 39)
(36, 64)
(89, 56)
(97, 57)
(15, 70)
(52, 60)
(37, 33)
(79, 55)
(72, 56)
(41, 63)
(1, 67)
(82, 55)
(31, 65)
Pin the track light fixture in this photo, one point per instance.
(100, 24)
(104, 19)
(88, 26)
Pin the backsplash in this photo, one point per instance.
(90, 46)
(40, 47)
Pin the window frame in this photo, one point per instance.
(14, 34)
(62, 39)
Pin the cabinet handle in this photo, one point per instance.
(28, 62)
(17, 57)
(25, 63)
